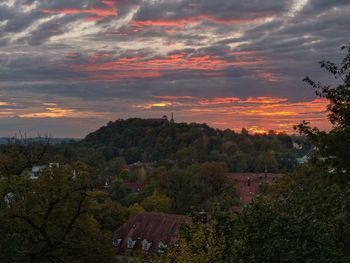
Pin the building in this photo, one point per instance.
(36, 170)
(148, 233)
(247, 185)
(163, 120)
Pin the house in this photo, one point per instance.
(247, 185)
(36, 170)
(148, 233)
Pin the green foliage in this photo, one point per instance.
(55, 218)
(195, 188)
(135, 209)
(124, 174)
(157, 203)
(110, 149)
(19, 155)
(109, 214)
(272, 234)
(201, 245)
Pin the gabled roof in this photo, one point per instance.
(246, 191)
(154, 227)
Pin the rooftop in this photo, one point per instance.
(247, 184)
(156, 229)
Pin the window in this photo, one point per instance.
(131, 243)
(146, 245)
(161, 247)
(116, 241)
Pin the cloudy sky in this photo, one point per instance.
(68, 67)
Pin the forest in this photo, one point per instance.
(110, 149)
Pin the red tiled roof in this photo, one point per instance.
(247, 184)
(137, 187)
(154, 227)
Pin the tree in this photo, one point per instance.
(157, 203)
(199, 245)
(135, 209)
(108, 214)
(269, 233)
(118, 193)
(115, 167)
(21, 154)
(52, 219)
(333, 147)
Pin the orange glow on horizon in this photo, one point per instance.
(257, 114)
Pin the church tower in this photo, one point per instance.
(172, 118)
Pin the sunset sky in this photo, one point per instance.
(68, 67)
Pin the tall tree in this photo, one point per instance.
(333, 147)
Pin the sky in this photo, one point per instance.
(69, 67)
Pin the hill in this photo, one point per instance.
(153, 140)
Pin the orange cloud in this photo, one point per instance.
(252, 100)
(257, 130)
(269, 76)
(218, 101)
(109, 3)
(4, 103)
(265, 100)
(141, 67)
(52, 110)
(179, 23)
(96, 13)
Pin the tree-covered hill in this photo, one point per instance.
(149, 140)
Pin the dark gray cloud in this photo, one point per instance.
(224, 10)
(109, 58)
